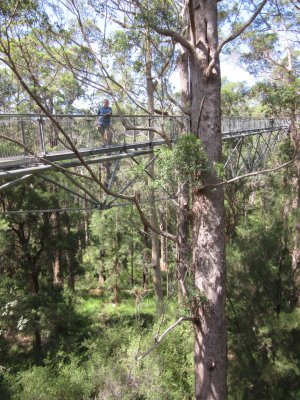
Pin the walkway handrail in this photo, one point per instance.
(41, 136)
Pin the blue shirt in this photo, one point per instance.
(104, 115)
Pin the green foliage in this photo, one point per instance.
(279, 98)
(116, 246)
(161, 13)
(264, 325)
(219, 169)
(235, 99)
(44, 383)
(105, 365)
(187, 161)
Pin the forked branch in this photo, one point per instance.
(158, 339)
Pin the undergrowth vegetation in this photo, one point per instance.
(97, 357)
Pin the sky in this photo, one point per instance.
(229, 69)
(235, 73)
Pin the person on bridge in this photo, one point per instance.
(103, 122)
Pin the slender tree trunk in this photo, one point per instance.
(295, 137)
(86, 222)
(71, 270)
(146, 261)
(101, 274)
(163, 247)
(131, 263)
(183, 247)
(155, 256)
(145, 278)
(117, 273)
(56, 268)
(37, 344)
(57, 273)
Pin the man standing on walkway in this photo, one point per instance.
(103, 122)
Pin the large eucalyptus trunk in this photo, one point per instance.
(208, 213)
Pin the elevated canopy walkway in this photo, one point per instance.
(36, 143)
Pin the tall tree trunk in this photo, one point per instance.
(117, 274)
(146, 257)
(86, 221)
(155, 257)
(163, 244)
(71, 269)
(37, 344)
(295, 137)
(101, 273)
(57, 273)
(182, 246)
(208, 214)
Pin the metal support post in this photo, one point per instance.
(23, 135)
(41, 132)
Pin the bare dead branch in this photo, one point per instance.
(158, 339)
(264, 171)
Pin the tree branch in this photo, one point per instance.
(176, 37)
(233, 36)
(237, 178)
(13, 13)
(128, 126)
(158, 339)
(192, 22)
(185, 110)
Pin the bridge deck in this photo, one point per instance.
(39, 136)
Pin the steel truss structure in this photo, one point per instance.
(34, 145)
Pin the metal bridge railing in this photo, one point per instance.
(232, 125)
(41, 136)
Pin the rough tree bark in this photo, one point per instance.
(208, 237)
